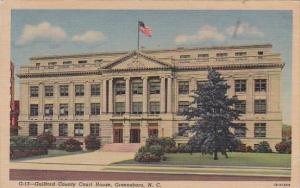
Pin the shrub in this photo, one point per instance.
(184, 148)
(61, 146)
(146, 157)
(249, 149)
(263, 147)
(156, 150)
(92, 143)
(72, 145)
(284, 147)
(48, 138)
(165, 142)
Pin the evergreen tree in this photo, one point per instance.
(214, 114)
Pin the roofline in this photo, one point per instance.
(267, 45)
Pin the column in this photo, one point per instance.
(126, 132)
(144, 131)
(41, 100)
(127, 95)
(145, 95)
(193, 84)
(231, 83)
(110, 96)
(87, 102)
(104, 97)
(56, 103)
(250, 94)
(169, 98)
(71, 105)
(162, 95)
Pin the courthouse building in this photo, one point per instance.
(125, 97)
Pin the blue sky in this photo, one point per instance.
(48, 32)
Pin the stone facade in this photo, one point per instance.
(127, 96)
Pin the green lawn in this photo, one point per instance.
(235, 159)
(51, 153)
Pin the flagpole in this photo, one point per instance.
(138, 42)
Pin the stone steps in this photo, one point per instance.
(120, 147)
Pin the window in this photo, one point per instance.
(47, 128)
(34, 91)
(78, 129)
(33, 130)
(137, 107)
(137, 87)
(261, 85)
(48, 109)
(67, 62)
(241, 106)
(183, 88)
(63, 130)
(154, 86)
(185, 56)
(98, 60)
(52, 63)
(240, 85)
(240, 56)
(34, 110)
(79, 109)
(95, 108)
(260, 54)
(120, 88)
(183, 106)
(38, 64)
(82, 61)
(203, 57)
(181, 129)
(221, 56)
(94, 129)
(200, 83)
(95, 89)
(48, 91)
(154, 108)
(260, 106)
(120, 108)
(260, 130)
(64, 90)
(240, 130)
(79, 90)
(63, 110)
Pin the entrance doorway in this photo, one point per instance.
(118, 135)
(134, 135)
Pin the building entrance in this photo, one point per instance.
(118, 135)
(134, 135)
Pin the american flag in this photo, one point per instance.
(145, 29)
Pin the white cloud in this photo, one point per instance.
(89, 37)
(244, 29)
(206, 32)
(43, 31)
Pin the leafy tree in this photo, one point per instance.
(214, 113)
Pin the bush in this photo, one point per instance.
(92, 143)
(48, 138)
(249, 149)
(184, 148)
(72, 145)
(284, 147)
(156, 150)
(147, 157)
(263, 147)
(61, 146)
(167, 143)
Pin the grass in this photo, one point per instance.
(235, 159)
(51, 153)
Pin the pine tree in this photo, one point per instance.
(214, 114)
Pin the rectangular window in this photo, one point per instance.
(137, 87)
(261, 85)
(79, 109)
(82, 61)
(64, 90)
(239, 56)
(34, 110)
(94, 129)
(120, 88)
(181, 128)
(63, 130)
(48, 91)
(183, 106)
(78, 129)
(260, 106)
(154, 86)
(95, 89)
(33, 130)
(120, 108)
(48, 109)
(137, 107)
(260, 130)
(63, 110)
(67, 62)
(79, 90)
(154, 108)
(47, 128)
(241, 106)
(34, 91)
(240, 85)
(98, 60)
(95, 108)
(221, 56)
(183, 88)
(203, 57)
(240, 131)
(260, 54)
(52, 63)
(200, 83)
